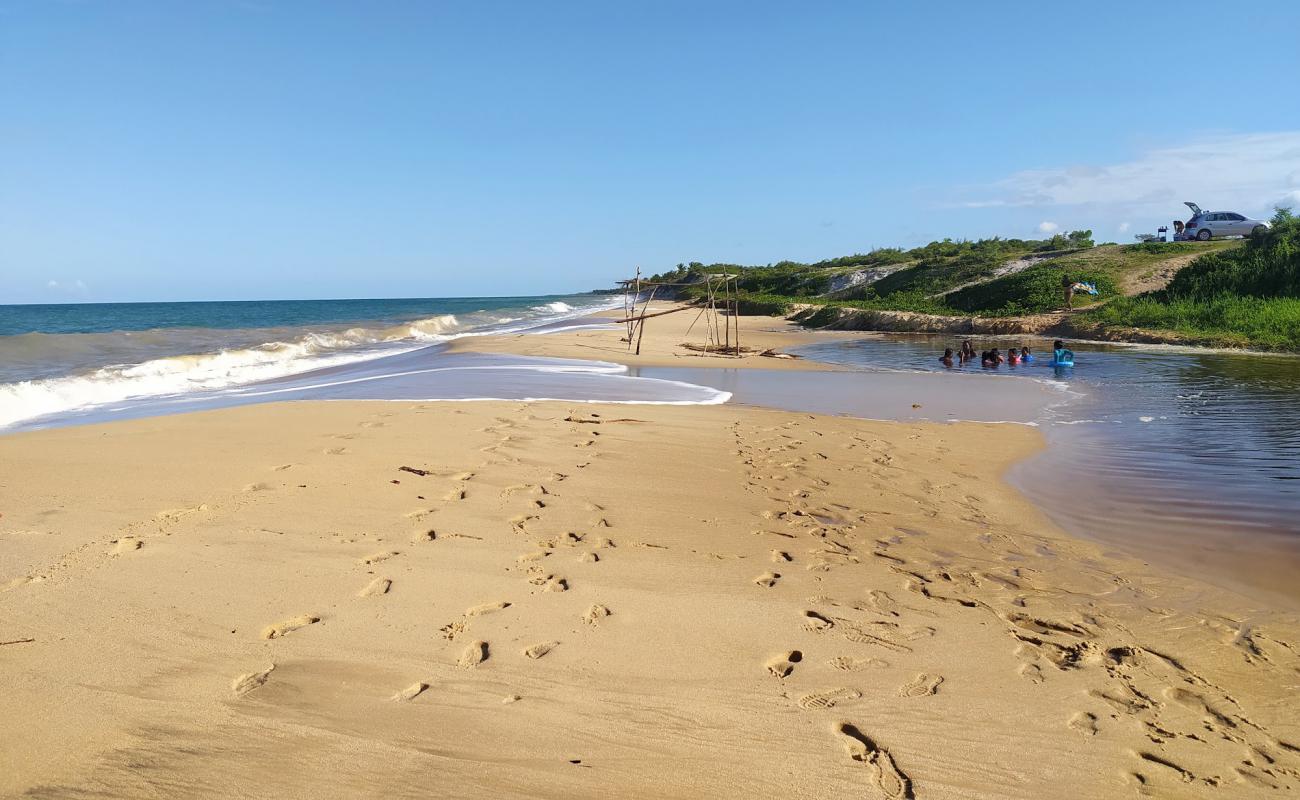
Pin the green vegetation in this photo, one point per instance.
(1226, 321)
(1231, 293)
(1268, 266)
(1031, 291)
(1245, 296)
(764, 305)
(945, 277)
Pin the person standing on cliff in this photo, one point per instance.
(1067, 286)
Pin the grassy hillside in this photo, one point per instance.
(953, 278)
(1246, 296)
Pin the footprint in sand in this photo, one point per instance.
(540, 649)
(519, 523)
(1084, 723)
(828, 699)
(782, 665)
(376, 587)
(375, 558)
(885, 634)
(588, 558)
(595, 614)
(816, 622)
(780, 556)
(486, 608)
(410, 693)
(288, 626)
(892, 783)
(475, 654)
(453, 629)
(768, 579)
(126, 544)
(1032, 672)
(250, 681)
(922, 685)
(851, 664)
(882, 602)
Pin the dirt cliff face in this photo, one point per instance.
(859, 319)
(1063, 325)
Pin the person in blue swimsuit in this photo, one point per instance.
(1061, 357)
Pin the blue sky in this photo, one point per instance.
(262, 149)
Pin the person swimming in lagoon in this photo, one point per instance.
(1025, 355)
(1061, 355)
(991, 358)
(1013, 356)
(967, 351)
(946, 358)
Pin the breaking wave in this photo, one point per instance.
(120, 366)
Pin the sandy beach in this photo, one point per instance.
(404, 599)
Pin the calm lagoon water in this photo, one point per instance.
(1181, 453)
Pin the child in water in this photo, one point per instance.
(1060, 355)
(946, 358)
(1025, 355)
(1013, 356)
(992, 358)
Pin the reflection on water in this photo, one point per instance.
(1185, 449)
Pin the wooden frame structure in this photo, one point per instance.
(720, 311)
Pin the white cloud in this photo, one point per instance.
(1289, 199)
(1048, 227)
(76, 287)
(1249, 173)
(1123, 227)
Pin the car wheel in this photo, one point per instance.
(1203, 235)
(1258, 230)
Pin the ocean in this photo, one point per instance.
(70, 359)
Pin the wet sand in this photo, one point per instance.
(574, 600)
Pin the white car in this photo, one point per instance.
(1207, 225)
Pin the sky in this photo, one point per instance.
(255, 149)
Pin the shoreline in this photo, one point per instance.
(1257, 566)
(473, 598)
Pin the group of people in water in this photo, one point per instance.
(994, 357)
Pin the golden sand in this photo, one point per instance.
(568, 600)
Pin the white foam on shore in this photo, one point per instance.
(201, 372)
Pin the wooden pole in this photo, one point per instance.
(640, 330)
(737, 321)
(726, 306)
